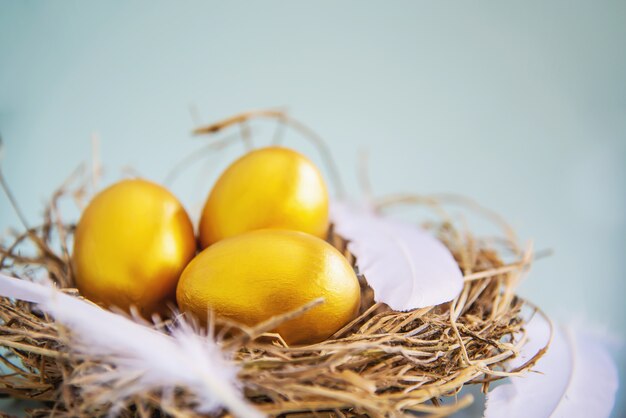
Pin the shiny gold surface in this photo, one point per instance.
(131, 244)
(271, 187)
(259, 274)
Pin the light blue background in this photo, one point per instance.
(520, 105)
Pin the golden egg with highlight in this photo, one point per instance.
(272, 187)
(254, 276)
(130, 246)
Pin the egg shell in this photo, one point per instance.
(272, 187)
(130, 246)
(254, 276)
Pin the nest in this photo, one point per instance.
(383, 363)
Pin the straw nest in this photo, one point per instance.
(384, 363)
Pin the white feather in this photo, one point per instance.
(406, 266)
(575, 378)
(155, 359)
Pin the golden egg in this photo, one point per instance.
(272, 187)
(132, 243)
(254, 276)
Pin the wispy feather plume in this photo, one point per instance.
(575, 378)
(145, 359)
(406, 266)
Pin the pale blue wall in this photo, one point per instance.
(521, 105)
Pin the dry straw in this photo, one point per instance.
(384, 363)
